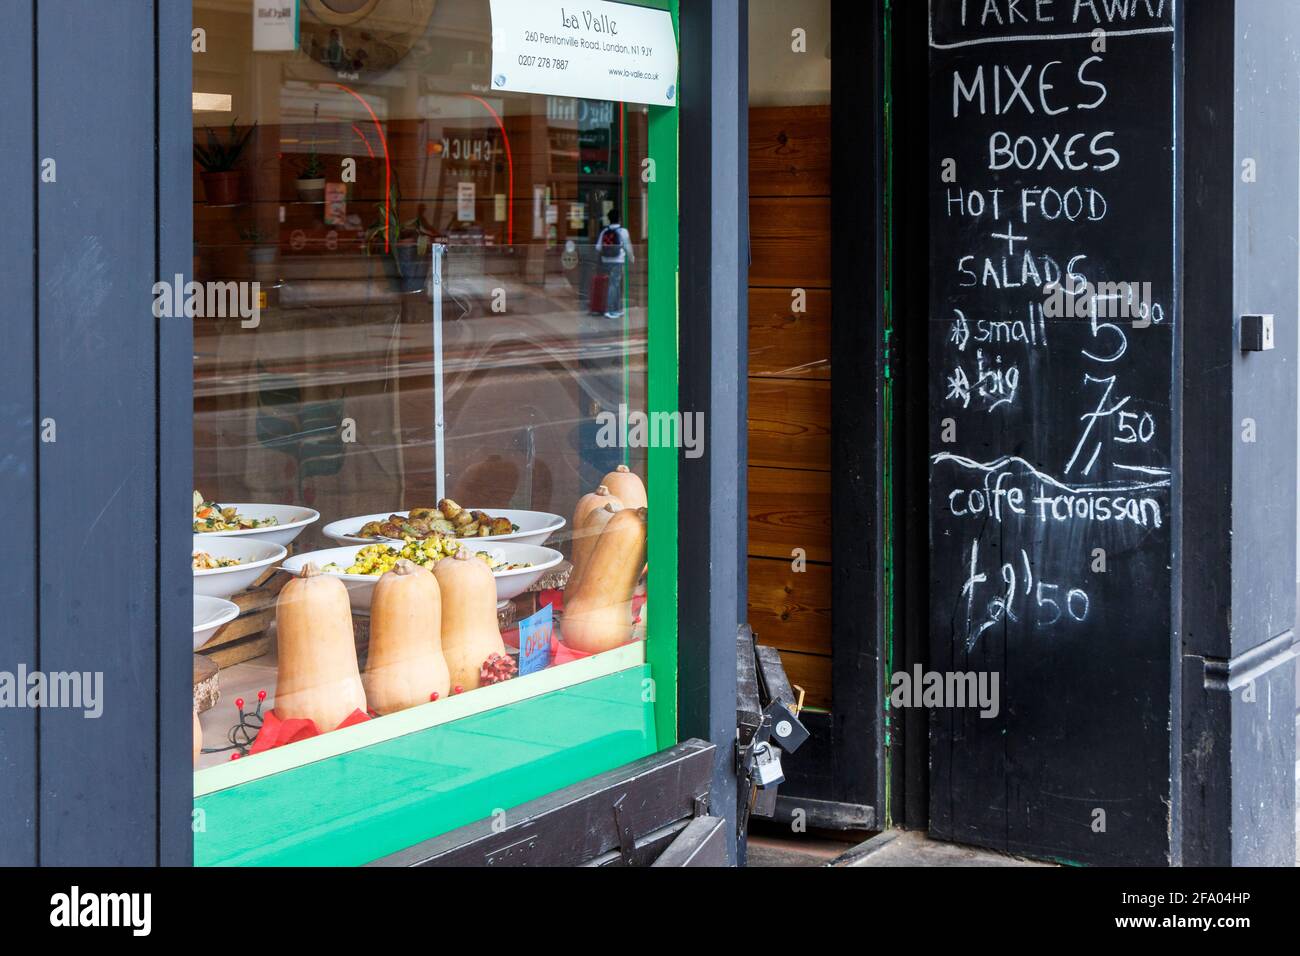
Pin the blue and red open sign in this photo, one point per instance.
(535, 641)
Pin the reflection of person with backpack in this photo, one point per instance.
(614, 246)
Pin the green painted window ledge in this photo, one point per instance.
(355, 807)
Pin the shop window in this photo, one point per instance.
(422, 327)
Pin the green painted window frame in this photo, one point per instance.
(662, 626)
(230, 797)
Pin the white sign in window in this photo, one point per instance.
(595, 50)
(465, 202)
(275, 25)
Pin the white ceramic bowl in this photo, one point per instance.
(292, 522)
(255, 557)
(210, 613)
(510, 584)
(534, 527)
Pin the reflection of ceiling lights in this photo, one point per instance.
(341, 12)
(362, 36)
(210, 102)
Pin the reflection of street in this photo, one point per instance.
(273, 406)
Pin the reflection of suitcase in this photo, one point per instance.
(597, 302)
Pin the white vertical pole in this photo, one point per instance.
(439, 453)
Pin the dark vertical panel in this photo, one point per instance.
(17, 431)
(1207, 430)
(909, 296)
(713, 282)
(1202, 522)
(175, 433)
(99, 786)
(857, 396)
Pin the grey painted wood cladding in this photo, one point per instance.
(83, 355)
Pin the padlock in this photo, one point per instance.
(787, 732)
(767, 766)
(764, 803)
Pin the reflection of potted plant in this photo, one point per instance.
(408, 243)
(218, 159)
(311, 181)
(261, 252)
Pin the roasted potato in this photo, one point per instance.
(449, 508)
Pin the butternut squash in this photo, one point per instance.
(624, 485)
(584, 543)
(317, 676)
(588, 503)
(598, 613)
(469, 617)
(405, 664)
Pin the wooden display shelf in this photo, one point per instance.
(248, 635)
(207, 690)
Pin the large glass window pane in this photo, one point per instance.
(440, 299)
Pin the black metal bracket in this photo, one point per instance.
(623, 827)
(765, 722)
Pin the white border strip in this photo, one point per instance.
(233, 773)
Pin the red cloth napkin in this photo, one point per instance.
(276, 732)
(552, 596)
(562, 653)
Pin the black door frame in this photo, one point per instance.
(860, 366)
(838, 779)
(909, 751)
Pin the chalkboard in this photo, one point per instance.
(1051, 316)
